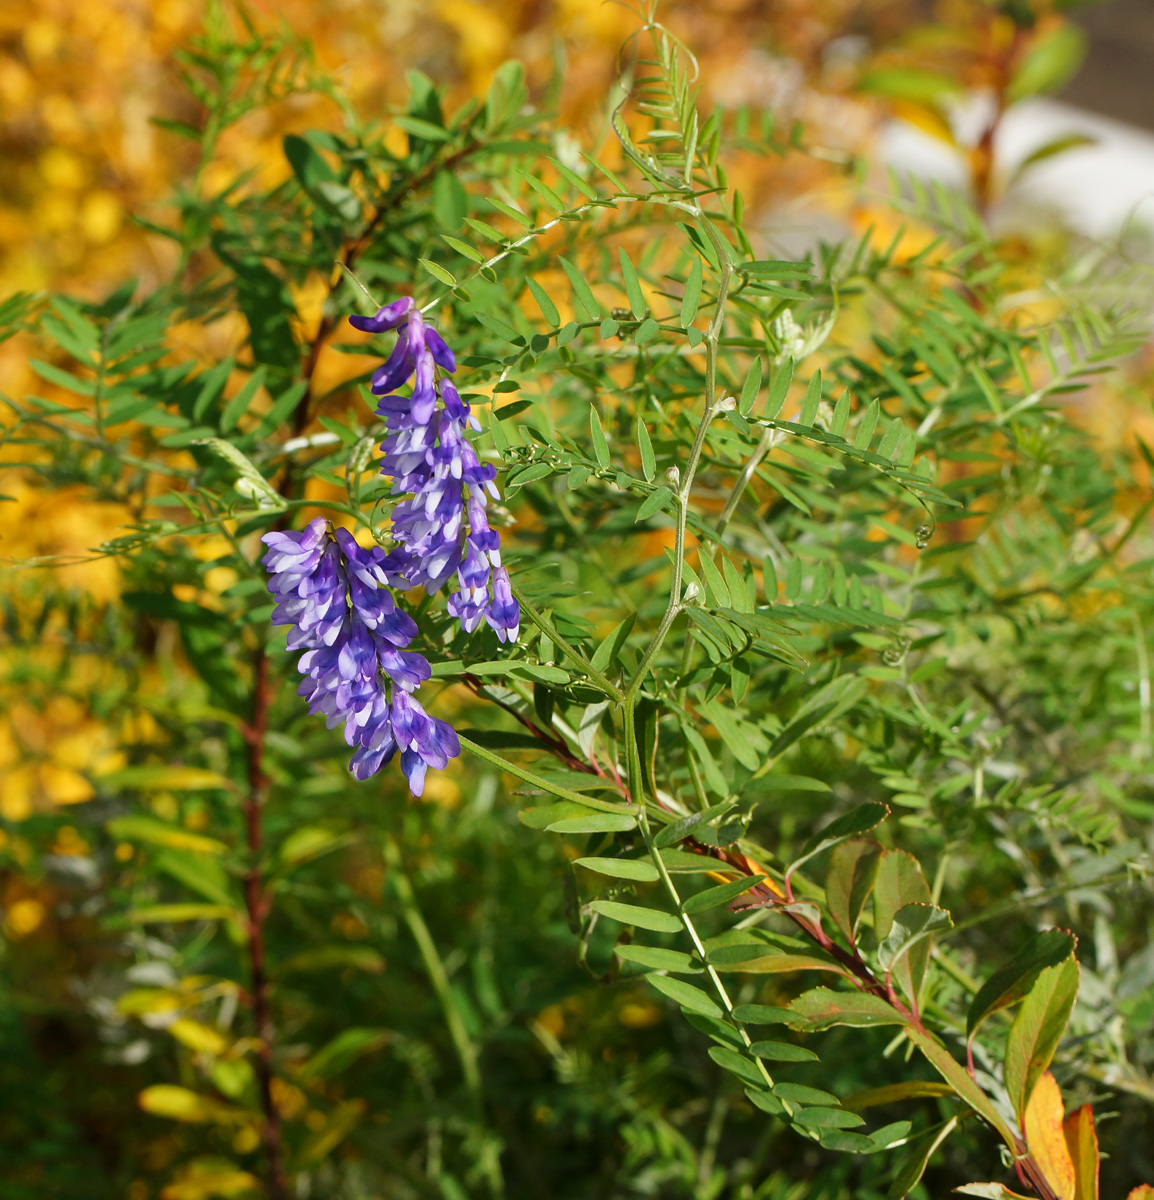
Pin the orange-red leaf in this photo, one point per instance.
(1082, 1141)
(1045, 1138)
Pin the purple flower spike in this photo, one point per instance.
(386, 318)
(440, 525)
(357, 671)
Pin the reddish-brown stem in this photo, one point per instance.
(256, 903)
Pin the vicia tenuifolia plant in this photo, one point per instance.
(785, 595)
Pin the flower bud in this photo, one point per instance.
(673, 477)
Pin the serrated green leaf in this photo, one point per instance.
(1037, 1029)
(1012, 980)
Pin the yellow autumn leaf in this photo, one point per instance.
(183, 1104)
(201, 1038)
(1045, 1138)
(141, 1001)
(165, 778)
(210, 1177)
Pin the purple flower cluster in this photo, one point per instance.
(441, 525)
(333, 594)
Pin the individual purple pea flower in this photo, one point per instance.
(440, 525)
(333, 594)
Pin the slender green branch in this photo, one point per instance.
(527, 776)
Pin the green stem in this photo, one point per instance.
(435, 969)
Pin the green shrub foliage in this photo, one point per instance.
(799, 834)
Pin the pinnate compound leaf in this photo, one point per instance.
(1045, 1138)
(1037, 1029)
(633, 914)
(853, 867)
(686, 995)
(1012, 980)
(1082, 1142)
(822, 1008)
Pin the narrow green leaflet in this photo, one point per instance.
(811, 401)
(722, 894)
(621, 868)
(762, 1014)
(866, 427)
(600, 445)
(782, 1052)
(685, 994)
(660, 498)
(779, 389)
(682, 828)
(737, 1064)
(692, 297)
(750, 388)
(607, 653)
(634, 914)
(633, 290)
(582, 292)
(645, 449)
(659, 959)
(544, 303)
